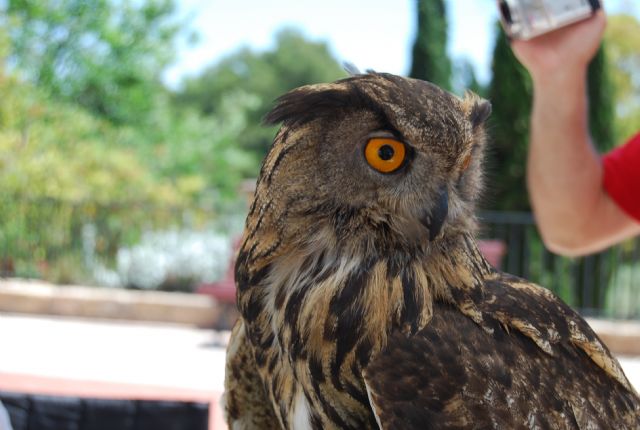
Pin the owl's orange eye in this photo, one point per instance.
(384, 154)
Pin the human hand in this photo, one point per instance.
(564, 51)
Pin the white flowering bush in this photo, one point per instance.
(177, 259)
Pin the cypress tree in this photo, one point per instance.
(429, 57)
(510, 93)
(601, 102)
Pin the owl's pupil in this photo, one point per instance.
(385, 152)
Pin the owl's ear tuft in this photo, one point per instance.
(351, 68)
(311, 102)
(479, 109)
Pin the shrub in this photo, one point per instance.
(174, 260)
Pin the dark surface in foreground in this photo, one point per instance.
(29, 412)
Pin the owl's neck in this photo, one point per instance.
(313, 295)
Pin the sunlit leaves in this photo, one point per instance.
(294, 61)
(624, 58)
(105, 55)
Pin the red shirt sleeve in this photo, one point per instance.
(622, 176)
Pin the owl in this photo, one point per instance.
(364, 300)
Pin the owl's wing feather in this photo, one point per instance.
(541, 316)
(457, 373)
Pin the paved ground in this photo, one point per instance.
(128, 353)
(631, 366)
(91, 358)
(121, 352)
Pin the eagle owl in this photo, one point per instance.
(364, 300)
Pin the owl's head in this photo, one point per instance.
(376, 158)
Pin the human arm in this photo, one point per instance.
(564, 172)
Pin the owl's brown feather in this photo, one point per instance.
(245, 401)
(451, 375)
(530, 362)
(347, 286)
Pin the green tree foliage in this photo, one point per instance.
(4, 47)
(601, 102)
(623, 54)
(58, 165)
(429, 57)
(262, 76)
(99, 63)
(58, 151)
(510, 96)
(104, 55)
(62, 168)
(201, 154)
(510, 93)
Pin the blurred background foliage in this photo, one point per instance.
(102, 55)
(623, 50)
(91, 136)
(264, 76)
(429, 55)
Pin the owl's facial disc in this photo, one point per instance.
(378, 153)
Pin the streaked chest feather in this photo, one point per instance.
(318, 318)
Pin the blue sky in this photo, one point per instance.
(375, 34)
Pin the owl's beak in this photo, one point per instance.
(434, 219)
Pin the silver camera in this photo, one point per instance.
(525, 19)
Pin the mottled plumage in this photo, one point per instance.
(364, 300)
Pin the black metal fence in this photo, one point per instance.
(604, 284)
